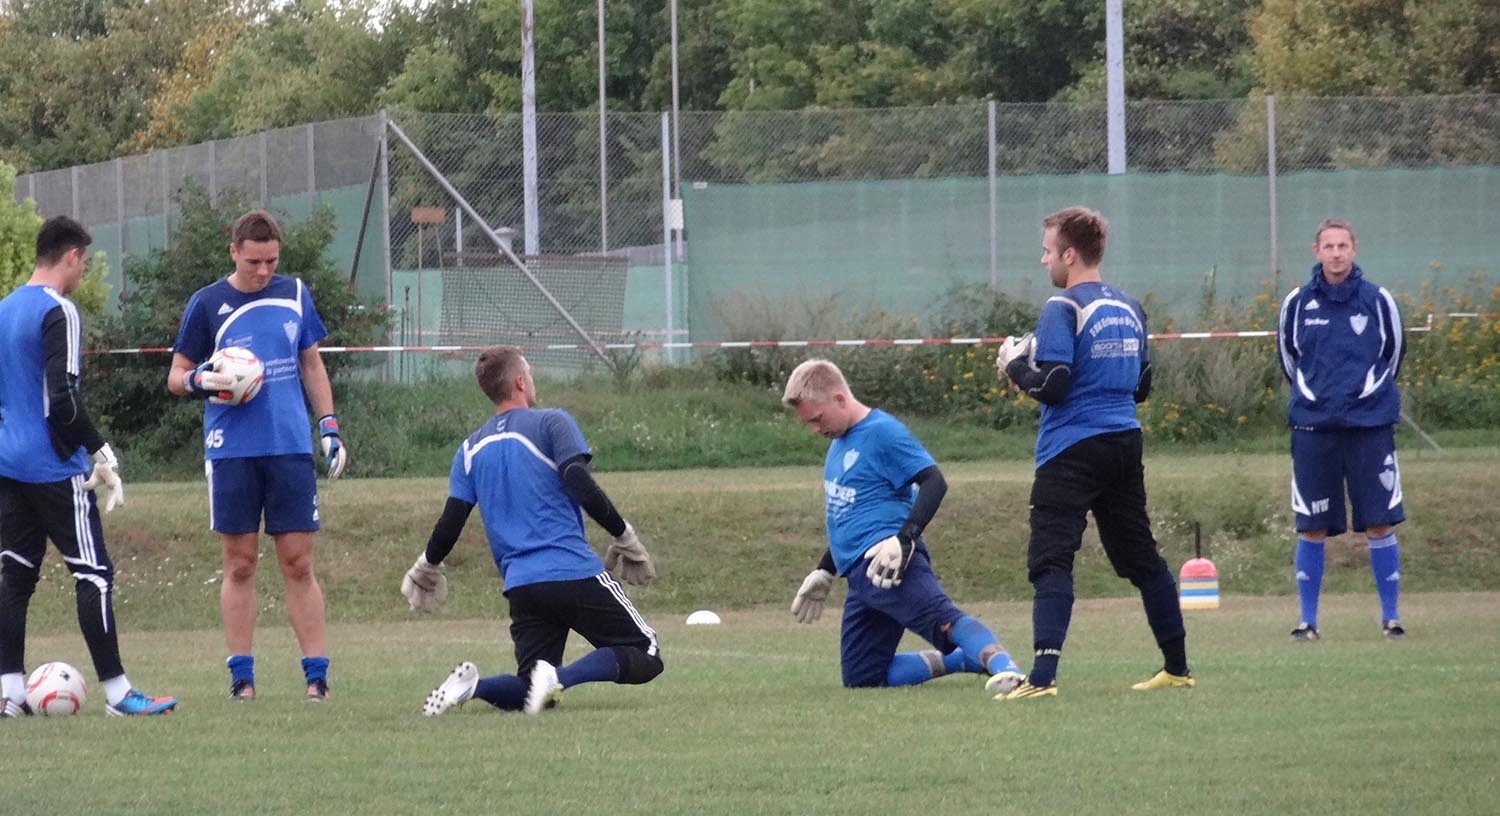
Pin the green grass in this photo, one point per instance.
(734, 538)
(749, 718)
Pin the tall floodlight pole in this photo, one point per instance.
(1114, 68)
(528, 125)
(676, 114)
(603, 153)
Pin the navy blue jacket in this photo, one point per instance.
(1340, 348)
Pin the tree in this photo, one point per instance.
(19, 224)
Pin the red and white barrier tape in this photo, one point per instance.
(768, 344)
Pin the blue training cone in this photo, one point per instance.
(1198, 581)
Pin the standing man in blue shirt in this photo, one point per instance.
(527, 470)
(1088, 364)
(47, 444)
(1340, 345)
(881, 488)
(258, 456)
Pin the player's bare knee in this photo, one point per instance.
(1379, 531)
(637, 665)
(239, 571)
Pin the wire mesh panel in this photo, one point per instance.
(53, 191)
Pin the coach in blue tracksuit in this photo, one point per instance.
(1340, 344)
(527, 470)
(1088, 364)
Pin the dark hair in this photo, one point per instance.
(1081, 228)
(256, 225)
(497, 370)
(58, 236)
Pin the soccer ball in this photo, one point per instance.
(245, 368)
(56, 690)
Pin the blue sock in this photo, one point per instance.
(1385, 564)
(314, 668)
(241, 667)
(959, 661)
(1309, 564)
(975, 639)
(598, 666)
(909, 669)
(505, 691)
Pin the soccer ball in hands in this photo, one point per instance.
(56, 690)
(246, 369)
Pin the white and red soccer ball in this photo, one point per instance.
(56, 689)
(245, 368)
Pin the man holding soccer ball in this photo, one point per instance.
(527, 470)
(47, 445)
(258, 451)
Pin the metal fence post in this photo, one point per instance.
(1271, 189)
(666, 227)
(312, 174)
(994, 225)
(73, 188)
(120, 221)
(265, 196)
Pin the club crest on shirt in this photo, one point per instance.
(290, 327)
(1358, 323)
(850, 457)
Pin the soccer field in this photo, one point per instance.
(749, 717)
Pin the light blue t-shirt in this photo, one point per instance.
(277, 324)
(26, 453)
(509, 469)
(867, 486)
(1100, 332)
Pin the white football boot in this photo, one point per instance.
(545, 690)
(455, 690)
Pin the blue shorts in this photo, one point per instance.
(284, 487)
(876, 619)
(1364, 459)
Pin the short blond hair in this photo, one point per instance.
(1332, 223)
(815, 380)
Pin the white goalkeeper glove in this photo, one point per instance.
(888, 559)
(425, 586)
(807, 607)
(1015, 348)
(206, 381)
(631, 558)
(106, 473)
(334, 453)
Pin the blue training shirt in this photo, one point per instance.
(509, 469)
(26, 453)
(867, 487)
(1100, 333)
(277, 324)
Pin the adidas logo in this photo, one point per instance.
(1302, 576)
(1395, 576)
(224, 309)
(1312, 305)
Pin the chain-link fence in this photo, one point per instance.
(874, 208)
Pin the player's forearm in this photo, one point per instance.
(580, 484)
(315, 382)
(931, 488)
(1048, 383)
(447, 530)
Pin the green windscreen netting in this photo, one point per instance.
(896, 245)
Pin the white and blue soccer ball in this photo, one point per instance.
(56, 689)
(245, 368)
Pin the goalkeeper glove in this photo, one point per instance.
(888, 559)
(1014, 348)
(631, 558)
(107, 473)
(204, 382)
(333, 446)
(425, 586)
(807, 607)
